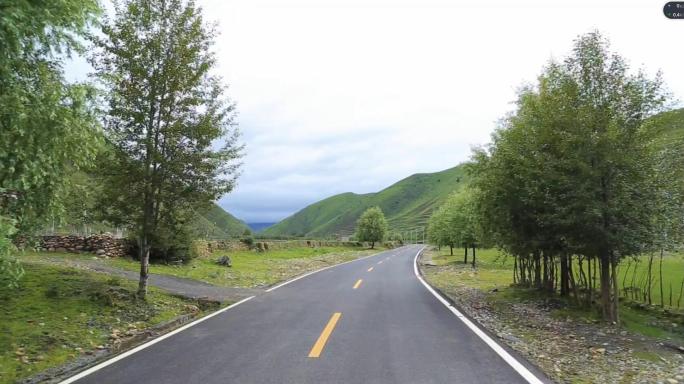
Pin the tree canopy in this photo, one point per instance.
(371, 226)
(571, 171)
(174, 142)
(48, 127)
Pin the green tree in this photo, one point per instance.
(455, 223)
(172, 130)
(44, 121)
(571, 171)
(371, 226)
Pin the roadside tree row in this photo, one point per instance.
(573, 177)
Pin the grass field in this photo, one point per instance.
(58, 314)
(249, 268)
(252, 269)
(495, 271)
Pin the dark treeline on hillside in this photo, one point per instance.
(576, 178)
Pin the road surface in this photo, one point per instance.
(367, 321)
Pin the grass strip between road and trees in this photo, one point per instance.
(60, 314)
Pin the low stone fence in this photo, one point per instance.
(265, 245)
(102, 245)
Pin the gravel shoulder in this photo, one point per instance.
(568, 350)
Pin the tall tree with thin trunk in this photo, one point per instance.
(172, 130)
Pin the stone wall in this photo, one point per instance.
(265, 245)
(102, 245)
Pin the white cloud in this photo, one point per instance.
(353, 95)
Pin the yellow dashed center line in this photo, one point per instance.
(323, 338)
(370, 269)
(358, 283)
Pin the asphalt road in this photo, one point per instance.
(387, 328)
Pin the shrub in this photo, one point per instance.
(169, 246)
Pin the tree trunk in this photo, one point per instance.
(606, 283)
(515, 270)
(616, 289)
(649, 280)
(537, 269)
(372, 244)
(451, 249)
(546, 274)
(660, 269)
(573, 284)
(473, 256)
(523, 278)
(564, 278)
(144, 267)
(465, 258)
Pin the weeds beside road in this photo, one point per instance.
(571, 346)
(64, 310)
(60, 314)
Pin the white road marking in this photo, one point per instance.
(149, 343)
(207, 317)
(512, 361)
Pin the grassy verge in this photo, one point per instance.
(253, 269)
(60, 313)
(494, 272)
(249, 268)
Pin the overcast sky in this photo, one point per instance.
(354, 95)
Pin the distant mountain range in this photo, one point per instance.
(258, 227)
(407, 205)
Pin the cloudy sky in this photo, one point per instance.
(354, 95)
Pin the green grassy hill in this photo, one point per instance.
(407, 205)
(216, 223)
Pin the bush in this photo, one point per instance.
(169, 246)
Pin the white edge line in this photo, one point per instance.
(181, 329)
(512, 361)
(149, 344)
(323, 269)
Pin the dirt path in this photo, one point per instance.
(176, 285)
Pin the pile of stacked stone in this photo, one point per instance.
(63, 243)
(226, 245)
(102, 245)
(106, 245)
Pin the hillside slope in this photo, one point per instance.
(216, 223)
(407, 205)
